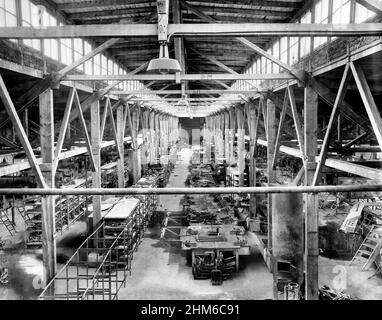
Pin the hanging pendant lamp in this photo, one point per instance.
(164, 64)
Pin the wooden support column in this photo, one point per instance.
(207, 141)
(219, 137)
(135, 161)
(95, 124)
(214, 139)
(310, 200)
(157, 137)
(152, 137)
(271, 125)
(48, 202)
(240, 145)
(120, 137)
(226, 137)
(232, 123)
(252, 126)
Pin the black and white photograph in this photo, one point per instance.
(190, 157)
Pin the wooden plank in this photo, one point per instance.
(368, 100)
(325, 144)
(11, 110)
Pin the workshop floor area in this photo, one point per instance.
(160, 271)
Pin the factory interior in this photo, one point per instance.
(190, 150)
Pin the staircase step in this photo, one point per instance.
(365, 252)
(368, 245)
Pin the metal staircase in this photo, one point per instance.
(4, 219)
(370, 248)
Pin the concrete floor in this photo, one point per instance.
(161, 272)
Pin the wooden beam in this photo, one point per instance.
(179, 42)
(302, 76)
(311, 200)
(177, 78)
(85, 105)
(11, 110)
(200, 29)
(279, 131)
(48, 202)
(265, 115)
(85, 131)
(63, 129)
(296, 119)
(114, 129)
(240, 145)
(325, 144)
(337, 164)
(104, 117)
(253, 130)
(96, 153)
(9, 143)
(356, 140)
(130, 122)
(219, 64)
(54, 79)
(163, 11)
(120, 135)
(188, 92)
(368, 100)
(347, 111)
(271, 125)
(373, 5)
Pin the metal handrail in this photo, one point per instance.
(225, 190)
(103, 261)
(69, 261)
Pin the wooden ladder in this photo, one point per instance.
(370, 248)
(7, 222)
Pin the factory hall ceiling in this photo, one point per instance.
(133, 52)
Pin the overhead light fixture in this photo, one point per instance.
(164, 64)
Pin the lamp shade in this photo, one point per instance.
(164, 64)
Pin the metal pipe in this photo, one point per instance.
(145, 191)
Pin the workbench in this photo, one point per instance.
(228, 238)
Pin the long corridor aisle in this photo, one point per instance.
(160, 272)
